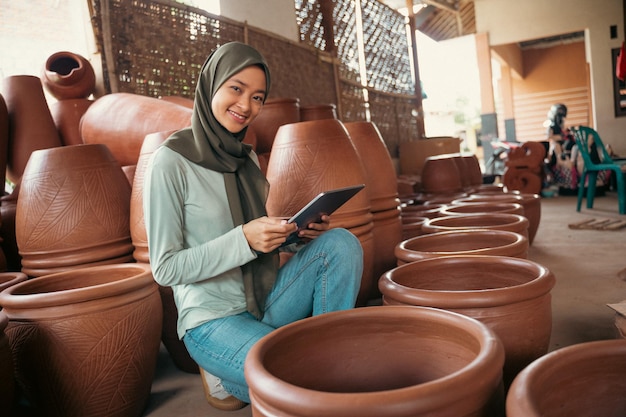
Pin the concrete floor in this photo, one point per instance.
(587, 266)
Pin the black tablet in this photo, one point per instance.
(324, 203)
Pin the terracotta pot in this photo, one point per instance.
(377, 361)
(8, 208)
(472, 170)
(67, 115)
(315, 156)
(412, 227)
(441, 198)
(113, 120)
(181, 101)
(492, 221)
(8, 279)
(585, 379)
(68, 76)
(26, 103)
(440, 174)
(430, 211)
(380, 180)
(4, 140)
(73, 210)
(276, 112)
(318, 111)
(7, 384)
(85, 342)
(466, 242)
(510, 295)
(475, 208)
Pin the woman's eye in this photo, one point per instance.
(258, 98)
(235, 88)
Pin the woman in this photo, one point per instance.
(211, 240)
(561, 152)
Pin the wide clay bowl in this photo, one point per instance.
(377, 361)
(466, 242)
(492, 221)
(475, 208)
(510, 295)
(585, 379)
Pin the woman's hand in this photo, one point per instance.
(313, 230)
(267, 233)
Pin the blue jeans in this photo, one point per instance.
(324, 276)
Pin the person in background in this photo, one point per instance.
(211, 240)
(561, 156)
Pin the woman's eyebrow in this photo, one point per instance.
(238, 81)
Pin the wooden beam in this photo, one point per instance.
(421, 132)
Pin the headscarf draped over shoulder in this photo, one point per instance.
(210, 145)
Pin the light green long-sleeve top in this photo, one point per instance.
(193, 245)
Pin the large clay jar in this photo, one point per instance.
(441, 175)
(7, 384)
(73, 210)
(475, 208)
(466, 242)
(493, 221)
(67, 115)
(85, 342)
(121, 121)
(30, 121)
(380, 183)
(311, 157)
(317, 112)
(4, 141)
(586, 379)
(377, 361)
(68, 76)
(175, 347)
(8, 208)
(510, 295)
(276, 112)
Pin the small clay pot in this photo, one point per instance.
(377, 361)
(586, 379)
(67, 75)
(85, 342)
(466, 242)
(423, 210)
(476, 208)
(510, 295)
(441, 175)
(493, 221)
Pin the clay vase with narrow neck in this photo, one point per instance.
(466, 242)
(121, 121)
(585, 379)
(26, 103)
(380, 182)
(67, 75)
(309, 158)
(73, 210)
(85, 341)
(7, 384)
(510, 295)
(492, 221)
(275, 113)
(378, 361)
(318, 111)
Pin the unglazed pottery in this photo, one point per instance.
(586, 379)
(67, 115)
(4, 140)
(67, 75)
(464, 242)
(26, 103)
(380, 182)
(73, 210)
(309, 158)
(493, 221)
(8, 279)
(377, 361)
(475, 208)
(85, 342)
(7, 384)
(440, 174)
(275, 113)
(510, 295)
(318, 111)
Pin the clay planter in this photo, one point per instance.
(7, 384)
(85, 342)
(276, 112)
(315, 156)
(377, 361)
(492, 221)
(112, 120)
(68, 76)
(317, 112)
(467, 242)
(73, 210)
(586, 379)
(380, 180)
(475, 208)
(510, 295)
(26, 103)
(441, 175)
(8, 279)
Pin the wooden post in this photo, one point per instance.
(418, 88)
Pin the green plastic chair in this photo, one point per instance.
(582, 134)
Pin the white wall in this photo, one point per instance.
(510, 21)
(275, 16)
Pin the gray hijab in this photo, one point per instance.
(210, 145)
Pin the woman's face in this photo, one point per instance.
(239, 100)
